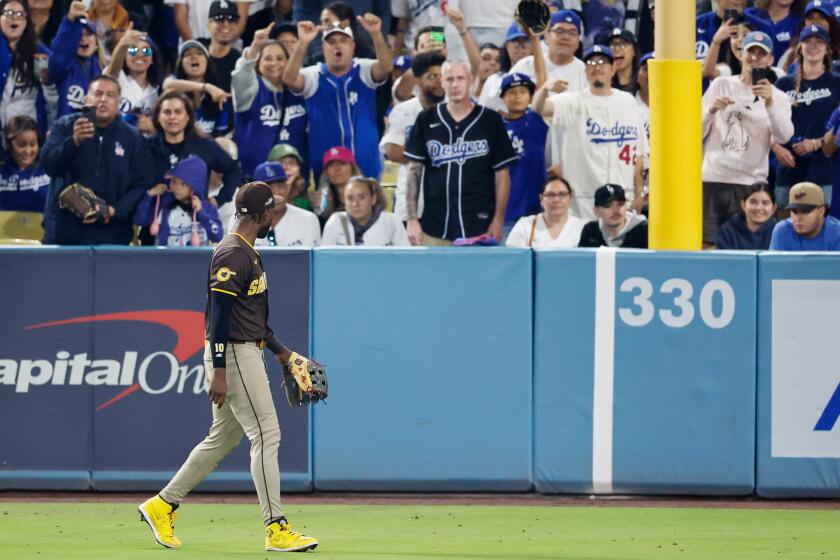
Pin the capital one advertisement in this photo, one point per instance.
(101, 365)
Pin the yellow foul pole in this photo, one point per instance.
(676, 192)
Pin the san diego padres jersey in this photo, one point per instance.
(236, 269)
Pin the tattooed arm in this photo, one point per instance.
(415, 232)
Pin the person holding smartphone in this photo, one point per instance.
(728, 12)
(743, 116)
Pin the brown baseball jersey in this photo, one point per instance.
(236, 269)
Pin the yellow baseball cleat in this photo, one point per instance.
(279, 537)
(161, 519)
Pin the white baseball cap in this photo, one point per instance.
(335, 27)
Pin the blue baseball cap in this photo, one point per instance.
(757, 39)
(598, 50)
(516, 79)
(821, 6)
(193, 171)
(646, 57)
(515, 32)
(814, 31)
(565, 16)
(88, 24)
(269, 172)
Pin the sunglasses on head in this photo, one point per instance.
(145, 51)
(233, 18)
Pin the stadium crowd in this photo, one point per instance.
(489, 131)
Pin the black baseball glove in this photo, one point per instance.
(534, 14)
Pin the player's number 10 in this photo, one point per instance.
(682, 309)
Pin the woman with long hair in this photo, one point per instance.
(622, 43)
(24, 61)
(554, 226)
(136, 65)
(267, 112)
(815, 14)
(23, 182)
(730, 32)
(339, 167)
(76, 60)
(752, 227)
(195, 76)
(814, 92)
(364, 221)
(177, 138)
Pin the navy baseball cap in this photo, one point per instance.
(269, 172)
(565, 16)
(757, 39)
(193, 171)
(515, 32)
(609, 192)
(598, 50)
(254, 198)
(517, 79)
(88, 24)
(283, 28)
(820, 6)
(619, 33)
(814, 31)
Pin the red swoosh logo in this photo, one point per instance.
(187, 325)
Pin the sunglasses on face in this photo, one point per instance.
(137, 51)
(14, 14)
(230, 18)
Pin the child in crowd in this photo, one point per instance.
(288, 156)
(76, 59)
(181, 215)
(23, 182)
(527, 131)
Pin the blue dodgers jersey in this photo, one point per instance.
(707, 26)
(342, 112)
(23, 190)
(782, 31)
(528, 173)
(834, 126)
(814, 105)
(256, 130)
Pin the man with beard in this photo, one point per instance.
(222, 23)
(604, 140)
(236, 332)
(426, 66)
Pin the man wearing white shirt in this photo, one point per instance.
(563, 40)
(604, 137)
(290, 226)
(427, 67)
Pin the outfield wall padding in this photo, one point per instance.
(429, 357)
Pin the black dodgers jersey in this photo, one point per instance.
(460, 161)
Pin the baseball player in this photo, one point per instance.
(459, 154)
(604, 137)
(236, 332)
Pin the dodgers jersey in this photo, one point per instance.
(708, 24)
(460, 162)
(342, 112)
(603, 136)
(782, 31)
(528, 135)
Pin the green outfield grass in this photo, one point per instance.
(209, 531)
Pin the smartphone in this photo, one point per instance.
(759, 74)
(89, 113)
(437, 37)
(730, 14)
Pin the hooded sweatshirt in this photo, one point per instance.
(735, 234)
(634, 234)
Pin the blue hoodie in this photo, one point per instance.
(175, 219)
(70, 73)
(23, 189)
(47, 99)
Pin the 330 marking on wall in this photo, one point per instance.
(682, 311)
